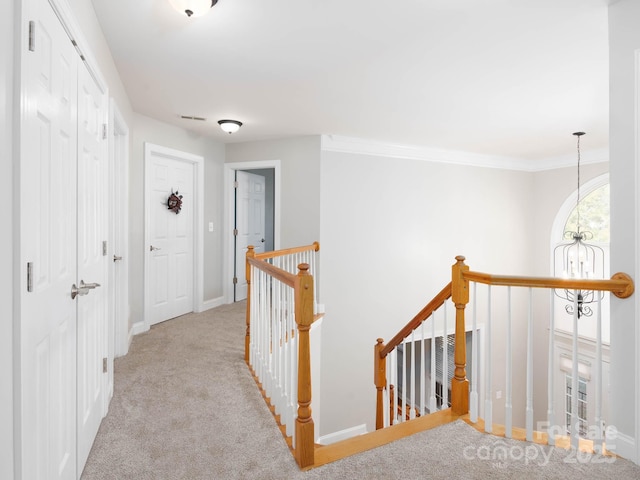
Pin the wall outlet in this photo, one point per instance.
(498, 394)
(211, 226)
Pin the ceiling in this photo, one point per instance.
(511, 78)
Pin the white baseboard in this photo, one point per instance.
(138, 327)
(213, 303)
(625, 446)
(343, 434)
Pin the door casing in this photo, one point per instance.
(198, 223)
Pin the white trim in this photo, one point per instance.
(64, 12)
(137, 328)
(337, 143)
(636, 457)
(342, 434)
(198, 222)
(119, 172)
(229, 172)
(213, 303)
(624, 446)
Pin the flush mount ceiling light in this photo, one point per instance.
(193, 8)
(230, 126)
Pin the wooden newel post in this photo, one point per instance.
(304, 447)
(247, 337)
(380, 380)
(460, 297)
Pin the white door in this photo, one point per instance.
(48, 243)
(92, 260)
(62, 338)
(170, 238)
(250, 224)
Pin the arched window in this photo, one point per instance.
(594, 215)
(594, 218)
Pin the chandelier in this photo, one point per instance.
(577, 259)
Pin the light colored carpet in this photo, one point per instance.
(186, 407)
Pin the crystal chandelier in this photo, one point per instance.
(577, 259)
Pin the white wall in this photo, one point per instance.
(146, 129)
(390, 230)
(624, 45)
(7, 316)
(300, 188)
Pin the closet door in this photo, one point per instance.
(48, 249)
(92, 260)
(63, 214)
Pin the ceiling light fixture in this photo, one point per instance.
(193, 8)
(578, 259)
(230, 126)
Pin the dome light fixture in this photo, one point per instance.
(230, 126)
(193, 8)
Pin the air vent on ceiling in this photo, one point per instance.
(189, 117)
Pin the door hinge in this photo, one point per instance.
(235, 280)
(29, 276)
(104, 131)
(235, 184)
(104, 365)
(32, 36)
(104, 248)
(235, 232)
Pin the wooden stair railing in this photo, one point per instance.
(302, 284)
(621, 285)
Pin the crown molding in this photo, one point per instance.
(337, 143)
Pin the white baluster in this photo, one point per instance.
(598, 407)
(508, 406)
(488, 389)
(473, 397)
(551, 431)
(433, 403)
(445, 361)
(529, 408)
(412, 372)
(575, 427)
(394, 381)
(386, 400)
(423, 376)
(405, 381)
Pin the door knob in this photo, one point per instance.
(75, 291)
(116, 258)
(90, 286)
(262, 240)
(152, 248)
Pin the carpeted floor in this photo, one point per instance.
(185, 407)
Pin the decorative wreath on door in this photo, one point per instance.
(174, 202)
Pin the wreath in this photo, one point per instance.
(174, 202)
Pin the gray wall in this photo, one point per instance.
(146, 129)
(300, 177)
(624, 41)
(390, 231)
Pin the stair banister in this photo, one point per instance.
(460, 297)
(304, 444)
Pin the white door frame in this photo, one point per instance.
(119, 333)
(229, 206)
(198, 222)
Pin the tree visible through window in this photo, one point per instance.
(594, 215)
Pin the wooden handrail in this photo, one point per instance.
(285, 277)
(422, 315)
(315, 246)
(621, 284)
